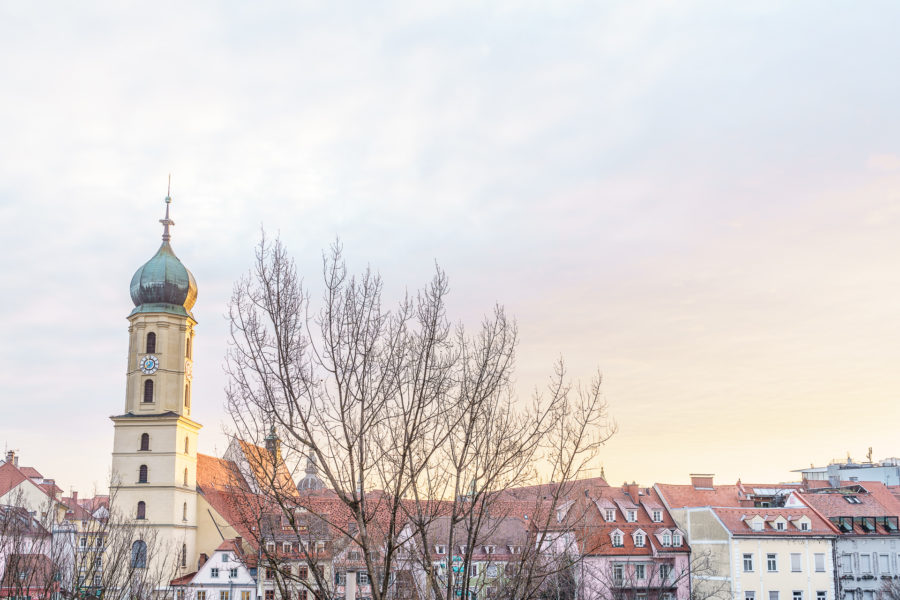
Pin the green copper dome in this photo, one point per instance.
(163, 283)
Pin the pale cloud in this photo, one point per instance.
(699, 199)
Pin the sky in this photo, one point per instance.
(701, 200)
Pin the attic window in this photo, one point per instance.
(657, 516)
(639, 540)
(852, 499)
(631, 516)
(666, 539)
(617, 540)
(676, 539)
(441, 549)
(610, 514)
(804, 526)
(779, 525)
(489, 549)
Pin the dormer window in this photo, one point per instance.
(617, 539)
(779, 526)
(804, 526)
(440, 549)
(631, 516)
(656, 515)
(639, 540)
(667, 539)
(676, 539)
(489, 549)
(610, 515)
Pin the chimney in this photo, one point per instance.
(202, 560)
(11, 458)
(74, 497)
(702, 481)
(239, 542)
(632, 490)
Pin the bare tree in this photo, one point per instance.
(410, 419)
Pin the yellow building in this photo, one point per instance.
(154, 460)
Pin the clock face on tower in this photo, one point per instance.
(149, 364)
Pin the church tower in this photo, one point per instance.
(154, 461)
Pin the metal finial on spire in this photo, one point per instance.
(167, 221)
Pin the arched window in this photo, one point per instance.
(187, 396)
(142, 511)
(139, 554)
(185, 477)
(142, 474)
(187, 348)
(186, 445)
(151, 343)
(184, 512)
(184, 553)
(148, 390)
(145, 441)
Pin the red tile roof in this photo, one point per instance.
(736, 520)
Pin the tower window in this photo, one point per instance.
(139, 554)
(187, 397)
(151, 343)
(184, 554)
(184, 512)
(187, 347)
(142, 474)
(148, 390)
(185, 477)
(145, 441)
(142, 510)
(186, 445)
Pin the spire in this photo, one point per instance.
(167, 221)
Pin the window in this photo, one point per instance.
(865, 563)
(821, 595)
(187, 445)
(473, 570)
(148, 390)
(640, 571)
(270, 547)
(139, 554)
(354, 555)
(665, 571)
(676, 539)
(749, 595)
(610, 514)
(184, 555)
(145, 441)
(748, 563)
(232, 573)
(797, 595)
(617, 540)
(820, 562)
(884, 564)
(151, 343)
(245, 594)
(852, 499)
(270, 573)
(187, 347)
(142, 474)
(187, 400)
(441, 549)
(618, 574)
(83, 542)
(201, 595)
(184, 512)
(773, 595)
(303, 573)
(779, 526)
(631, 516)
(179, 594)
(804, 526)
(488, 549)
(771, 562)
(639, 540)
(846, 563)
(340, 578)
(214, 572)
(362, 578)
(657, 516)
(667, 539)
(270, 594)
(795, 562)
(224, 595)
(142, 511)
(286, 547)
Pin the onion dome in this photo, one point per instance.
(163, 283)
